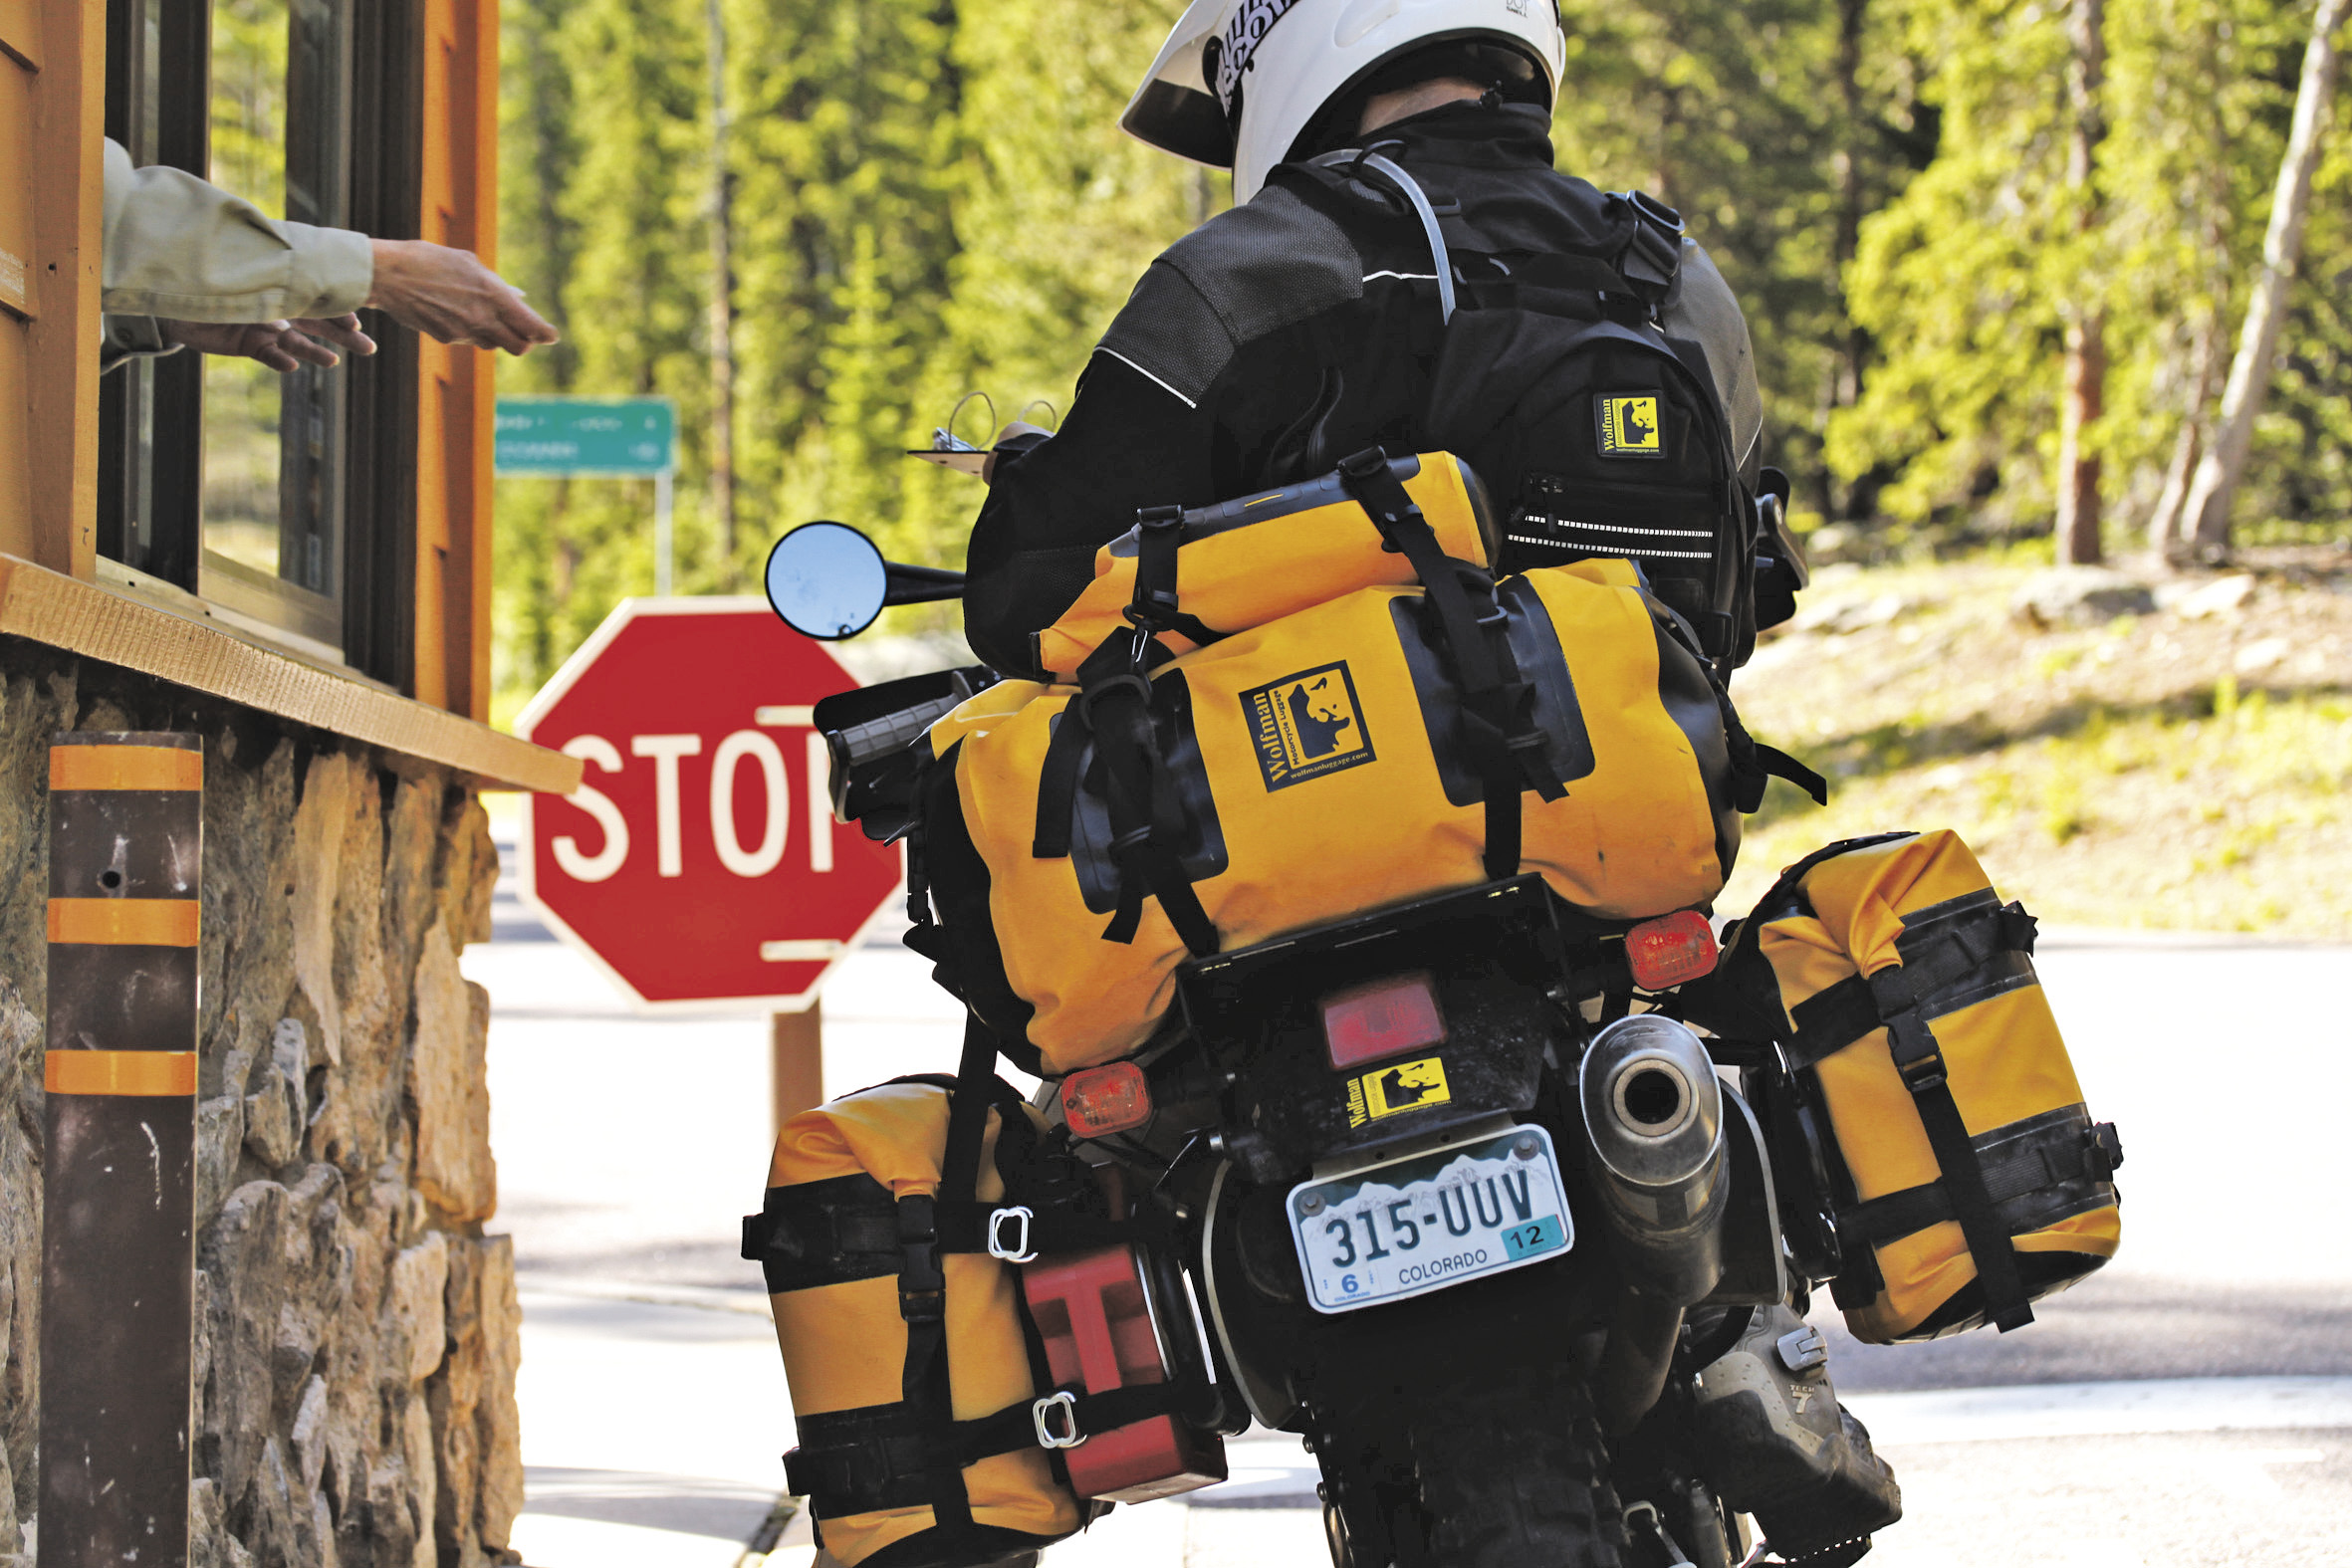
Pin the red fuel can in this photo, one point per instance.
(1097, 1316)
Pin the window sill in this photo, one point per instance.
(130, 625)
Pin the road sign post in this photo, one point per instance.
(796, 1061)
(596, 438)
(699, 865)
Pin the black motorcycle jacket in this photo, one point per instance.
(1290, 332)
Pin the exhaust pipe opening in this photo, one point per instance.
(1653, 1098)
(1654, 1113)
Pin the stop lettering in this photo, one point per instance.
(698, 864)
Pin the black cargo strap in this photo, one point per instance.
(2029, 1167)
(1500, 737)
(849, 1228)
(1953, 955)
(878, 1456)
(1754, 763)
(1113, 710)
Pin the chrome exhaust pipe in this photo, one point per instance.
(1654, 1113)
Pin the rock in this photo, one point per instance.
(1849, 613)
(220, 1135)
(267, 1519)
(244, 1254)
(310, 1435)
(313, 1534)
(320, 823)
(453, 1395)
(448, 1083)
(2257, 658)
(416, 1430)
(415, 1311)
(2080, 596)
(498, 1420)
(274, 1116)
(413, 849)
(2222, 596)
(470, 874)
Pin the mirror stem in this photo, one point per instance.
(920, 584)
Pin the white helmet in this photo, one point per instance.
(1239, 80)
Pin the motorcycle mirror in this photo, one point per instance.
(826, 581)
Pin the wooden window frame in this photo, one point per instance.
(416, 556)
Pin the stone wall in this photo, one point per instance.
(356, 1333)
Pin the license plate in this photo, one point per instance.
(1430, 1221)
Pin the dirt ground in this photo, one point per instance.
(2182, 767)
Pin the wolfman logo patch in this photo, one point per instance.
(1406, 1086)
(1307, 725)
(1629, 426)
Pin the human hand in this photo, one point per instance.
(451, 297)
(281, 346)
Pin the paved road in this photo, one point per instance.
(654, 1407)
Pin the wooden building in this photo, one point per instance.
(296, 570)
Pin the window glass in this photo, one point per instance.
(273, 458)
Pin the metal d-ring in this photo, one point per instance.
(1019, 1252)
(1042, 1413)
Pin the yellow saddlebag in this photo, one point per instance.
(1308, 770)
(1237, 570)
(887, 1309)
(1943, 1128)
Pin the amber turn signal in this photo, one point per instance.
(1670, 950)
(1107, 1099)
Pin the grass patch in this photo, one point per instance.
(2117, 776)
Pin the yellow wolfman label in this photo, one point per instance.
(1407, 1086)
(1629, 426)
(1306, 725)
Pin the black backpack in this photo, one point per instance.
(1556, 370)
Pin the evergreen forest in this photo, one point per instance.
(1997, 256)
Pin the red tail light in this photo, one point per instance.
(1107, 1099)
(1384, 1018)
(1670, 950)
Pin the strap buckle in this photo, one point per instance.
(1055, 1418)
(1018, 1250)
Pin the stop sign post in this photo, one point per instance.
(699, 865)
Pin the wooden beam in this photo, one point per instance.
(99, 622)
(61, 337)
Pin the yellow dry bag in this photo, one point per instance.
(1928, 1126)
(901, 1335)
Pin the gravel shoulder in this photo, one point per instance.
(2122, 750)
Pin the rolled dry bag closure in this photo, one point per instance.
(1498, 729)
(1114, 707)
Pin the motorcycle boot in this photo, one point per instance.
(1775, 1443)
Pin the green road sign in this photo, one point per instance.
(615, 437)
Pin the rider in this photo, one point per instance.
(1297, 328)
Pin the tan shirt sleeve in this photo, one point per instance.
(186, 250)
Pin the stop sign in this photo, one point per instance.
(698, 863)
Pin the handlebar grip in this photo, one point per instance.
(863, 743)
(854, 746)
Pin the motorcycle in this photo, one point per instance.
(1460, 1191)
